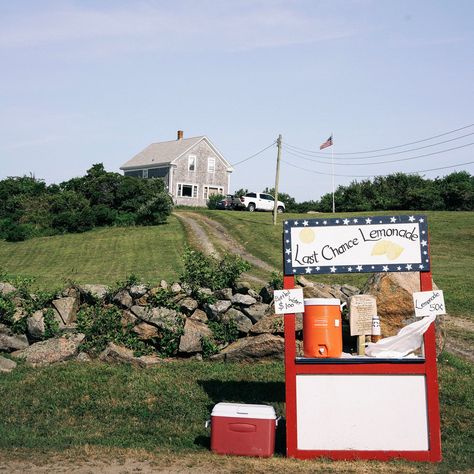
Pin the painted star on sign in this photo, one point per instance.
(355, 221)
(393, 219)
(287, 241)
(408, 266)
(286, 231)
(421, 220)
(305, 223)
(424, 243)
(349, 269)
(359, 268)
(385, 268)
(318, 268)
(333, 269)
(346, 221)
(296, 222)
(289, 260)
(421, 266)
(411, 218)
(399, 268)
(288, 251)
(368, 220)
(337, 222)
(325, 222)
(308, 269)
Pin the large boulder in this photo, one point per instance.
(123, 299)
(138, 290)
(247, 349)
(67, 308)
(146, 331)
(163, 318)
(187, 305)
(199, 315)
(94, 292)
(194, 331)
(51, 351)
(243, 323)
(256, 311)
(243, 299)
(215, 310)
(10, 341)
(114, 353)
(6, 365)
(394, 295)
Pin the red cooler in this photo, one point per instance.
(243, 429)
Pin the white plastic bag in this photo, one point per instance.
(405, 342)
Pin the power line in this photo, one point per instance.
(254, 155)
(372, 175)
(390, 154)
(387, 148)
(386, 161)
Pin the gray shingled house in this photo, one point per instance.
(192, 168)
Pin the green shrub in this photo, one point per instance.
(7, 310)
(168, 342)
(276, 280)
(201, 271)
(214, 200)
(51, 326)
(223, 332)
(163, 298)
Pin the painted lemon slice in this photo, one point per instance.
(393, 250)
(380, 248)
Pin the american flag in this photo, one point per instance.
(327, 143)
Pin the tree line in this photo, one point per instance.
(399, 191)
(30, 208)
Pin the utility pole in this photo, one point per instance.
(277, 179)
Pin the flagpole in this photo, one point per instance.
(332, 165)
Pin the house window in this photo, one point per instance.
(211, 190)
(134, 173)
(191, 163)
(187, 190)
(211, 165)
(157, 172)
(145, 173)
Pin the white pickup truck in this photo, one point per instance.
(260, 202)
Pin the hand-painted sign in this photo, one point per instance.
(428, 303)
(289, 301)
(356, 245)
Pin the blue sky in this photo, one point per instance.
(84, 82)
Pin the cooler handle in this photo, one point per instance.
(207, 424)
(277, 420)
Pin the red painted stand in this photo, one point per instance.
(426, 368)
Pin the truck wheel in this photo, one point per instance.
(251, 207)
(280, 210)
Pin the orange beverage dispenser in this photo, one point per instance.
(322, 327)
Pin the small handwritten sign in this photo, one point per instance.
(429, 303)
(289, 301)
(362, 308)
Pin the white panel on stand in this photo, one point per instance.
(362, 412)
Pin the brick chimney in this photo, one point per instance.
(180, 134)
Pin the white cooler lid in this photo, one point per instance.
(322, 302)
(244, 410)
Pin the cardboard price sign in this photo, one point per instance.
(429, 303)
(289, 301)
(362, 308)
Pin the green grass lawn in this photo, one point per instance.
(164, 408)
(100, 256)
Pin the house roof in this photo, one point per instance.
(164, 153)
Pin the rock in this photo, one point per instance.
(18, 314)
(274, 324)
(243, 300)
(176, 288)
(141, 312)
(91, 292)
(215, 310)
(119, 354)
(146, 331)
(74, 292)
(51, 351)
(303, 281)
(36, 327)
(205, 292)
(6, 288)
(67, 308)
(128, 318)
(199, 315)
(394, 294)
(188, 305)
(349, 290)
(223, 294)
(242, 322)
(123, 299)
(255, 295)
(194, 331)
(242, 287)
(6, 365)
(256, 311)
(163, 318)
(267, 294)
(247, 349)
(11, 342)
(83, 357)
(142, 301)
(57, 318)
(137, 291)
(319, 290)
(163, 284)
